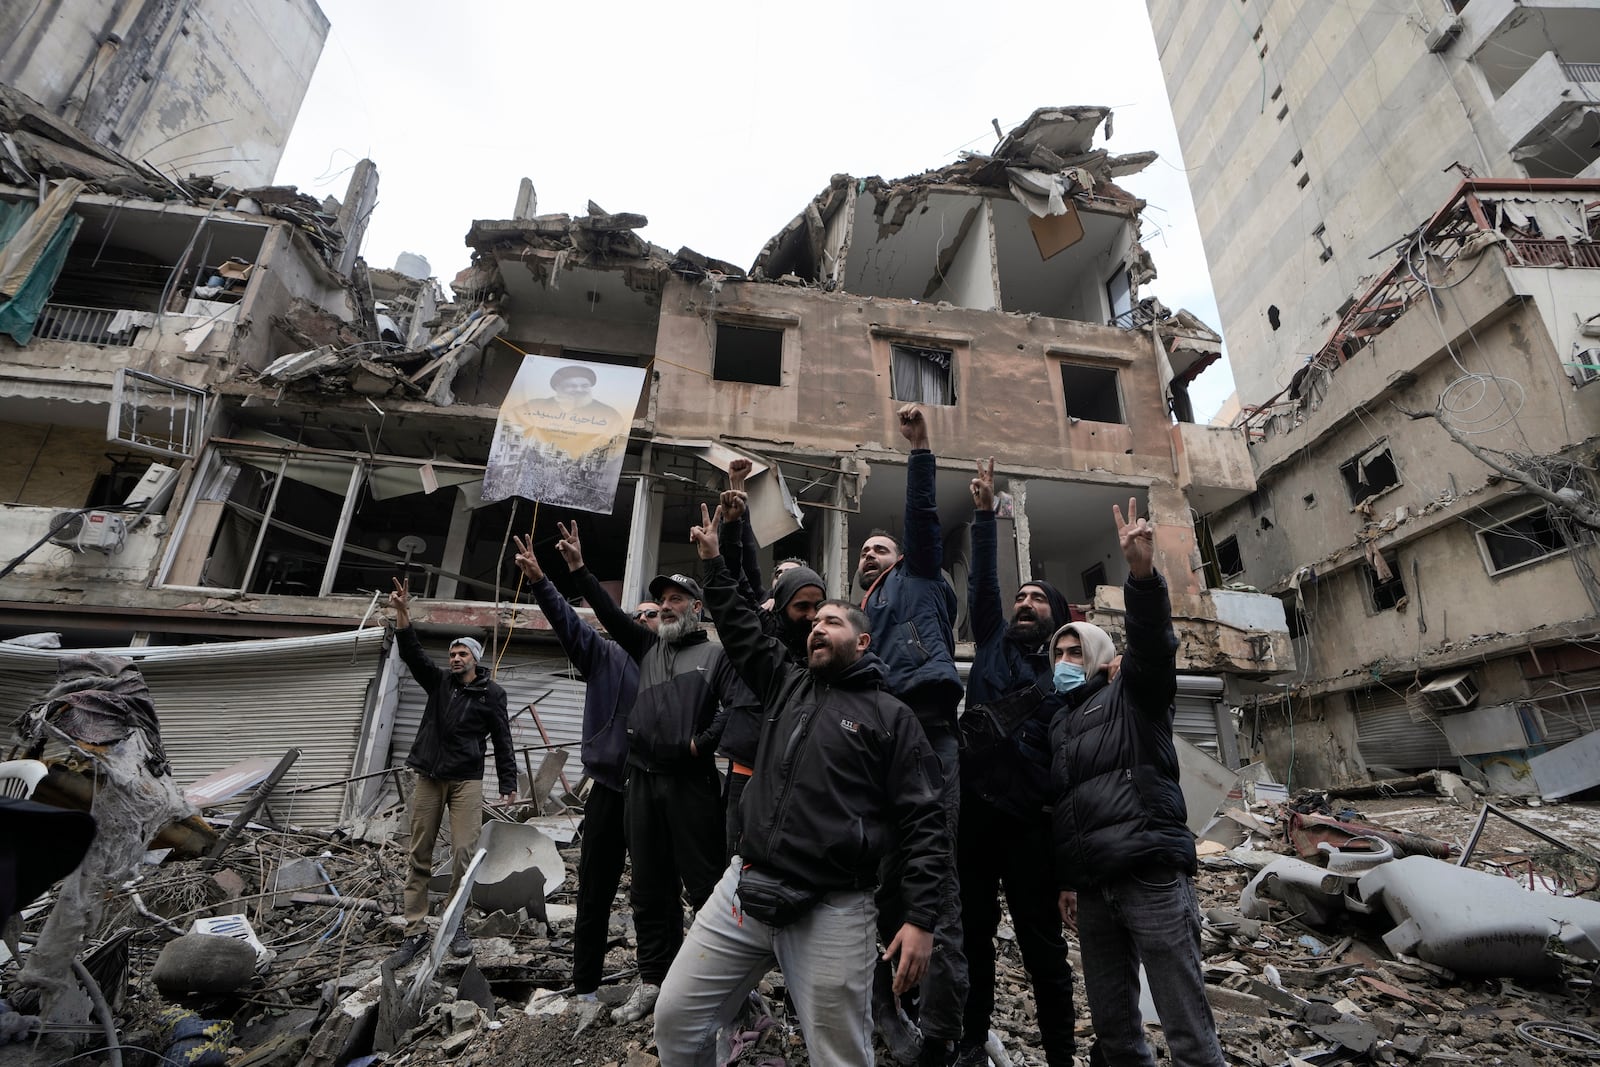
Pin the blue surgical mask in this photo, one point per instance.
(1068, 676)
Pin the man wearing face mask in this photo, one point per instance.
(1124, 854)
(1004, 836)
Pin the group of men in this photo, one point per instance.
(865, 831)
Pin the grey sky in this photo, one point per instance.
(718, 124)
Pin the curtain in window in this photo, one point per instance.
(921, 375)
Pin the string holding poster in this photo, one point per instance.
(562, 433)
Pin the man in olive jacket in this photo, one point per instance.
(464, 709)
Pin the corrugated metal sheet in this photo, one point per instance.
(1390, 734)
(524, 679)
(222, 703)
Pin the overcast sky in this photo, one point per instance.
(718, 124)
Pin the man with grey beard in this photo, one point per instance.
(673, 809)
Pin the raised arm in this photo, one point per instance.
(424, 670)
(924, 541)
(1150, 664)
(583, 645)
(985, 607)
(739, 540)
(759, 660)
(635, 638)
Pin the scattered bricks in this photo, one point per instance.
(1386, 1025)
(1236, 1002)
(1411, 1046)
(348, 1028)
(203, 963)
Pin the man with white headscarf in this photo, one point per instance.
(1124, 854)
(465, 708)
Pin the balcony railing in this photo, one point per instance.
(1582, 72)
(1541, 253)
(95, 326)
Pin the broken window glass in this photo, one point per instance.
(921, 375)
(1229, 560)
(1370, 473)
(1526, 538)
(750, 354)
(1383, 583)
(1091, 393)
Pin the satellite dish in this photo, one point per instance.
(411, 544)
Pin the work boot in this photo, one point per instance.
(641, 1002)
(898, 1033)
(409, 947)
(461, 941)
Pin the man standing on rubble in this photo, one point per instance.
(841, 780)
(910, 607)
(464, 709)
(1005, 787)
(611, 684)
(673, 808)
(1124, 854)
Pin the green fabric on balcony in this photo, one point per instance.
(32, 251)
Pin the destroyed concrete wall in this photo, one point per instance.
(195, 87)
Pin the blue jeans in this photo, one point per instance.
(1154, 918)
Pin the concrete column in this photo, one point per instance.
(1018, 488)
(455, 543)
(644, 534)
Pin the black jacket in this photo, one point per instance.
(687, 691)
(1013, 775)
(451, 741)
(611, 685)
(1119, 809)
(843, 773)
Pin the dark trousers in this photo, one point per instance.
(675, 840)
(996, 849)
(944, 987)
(600, 859)
(735, 822)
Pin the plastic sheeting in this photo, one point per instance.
(36, 245)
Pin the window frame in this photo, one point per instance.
(912, 347)
(1226, 574)
(1480, 535)
(1355, 463)
(1116, 386)
(1372, 585)
(779, 328)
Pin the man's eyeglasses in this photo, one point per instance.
(640, 616)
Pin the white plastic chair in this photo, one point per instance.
(19, 777)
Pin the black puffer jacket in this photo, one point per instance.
(843, 775)
(458, 721)
(1119, 809)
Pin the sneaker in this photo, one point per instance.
(640, 1003)
(461, 941)
(409, 947)
(898, 1033)
(970, 1056)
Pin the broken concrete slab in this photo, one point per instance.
(1312, 892)
(1572, 768)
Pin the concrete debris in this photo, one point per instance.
(203, 963)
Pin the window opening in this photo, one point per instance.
(154, 414)
(1370, 473)
(749, 354)
(1384, 586)
(1229, 560)
(1520, 540)
(921, 375)
(1093, 578)
(1091, 393)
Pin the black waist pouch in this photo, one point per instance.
(771, 899)
(985, 725)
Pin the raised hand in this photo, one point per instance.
(569, 546)
(704, 536)
(735, 502)
(400, 601)
(913, 425)
(1137, 538)
(525, 560)
(738, 471)
(983, 487)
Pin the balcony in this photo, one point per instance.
(1551, 117)
(1505, 37)
(88, 325)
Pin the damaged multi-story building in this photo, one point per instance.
(335, 434)
(1399, 209)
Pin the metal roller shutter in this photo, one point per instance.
(1572, 709)
(1390, 734)
(221, 703)
(1196, 703)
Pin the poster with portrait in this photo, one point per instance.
(562, 433)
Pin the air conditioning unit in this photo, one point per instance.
(1450, 692)
(1444, 33)
(83, 530)
(1582, 366)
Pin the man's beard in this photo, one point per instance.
(1028, 633)
(679, 628)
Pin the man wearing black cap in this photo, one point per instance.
(1004, 833)
(673, 809)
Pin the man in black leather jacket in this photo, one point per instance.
(842, 778)
(1124, 853)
